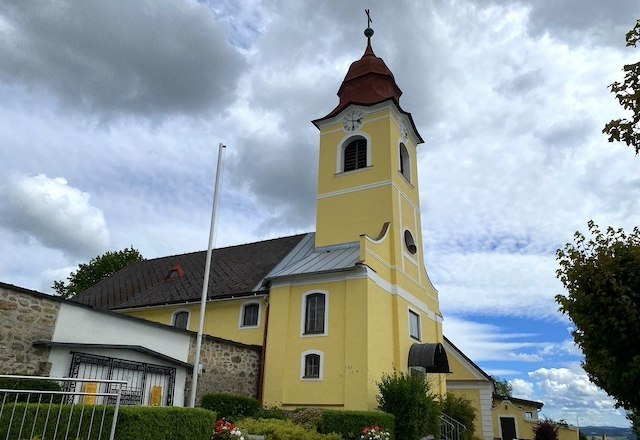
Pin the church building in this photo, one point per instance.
(333, 310)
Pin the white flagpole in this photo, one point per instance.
(205, 284)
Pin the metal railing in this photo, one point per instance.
(450, 428)
(63, 414)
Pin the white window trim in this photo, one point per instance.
(303, 311)
(173, 317)
(302, 366)
(241, 317)
(409, 312)
(343, 144)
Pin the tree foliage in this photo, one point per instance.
(602, 279)
(461, 409)
(502, 386)
(409, 398)
(628, 95)
(97, 269)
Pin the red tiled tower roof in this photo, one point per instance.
(368, 82)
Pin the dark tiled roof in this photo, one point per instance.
(235, 270)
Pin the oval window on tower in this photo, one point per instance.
(410, 242)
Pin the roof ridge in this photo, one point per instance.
(227, 247)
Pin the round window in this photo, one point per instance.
(410, 242)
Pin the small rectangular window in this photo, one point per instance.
(250, 315)
(414, 325)
(181, 319)
(312, 366)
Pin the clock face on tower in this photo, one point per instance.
(353, 120)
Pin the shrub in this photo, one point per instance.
(230, 407)
(164, 423)
(349, 424)
(545, 430)
(29, 384)
(460, 409)
(408, 397)
(310, 417)
(273, 412)
(134, 422)
(275, 429)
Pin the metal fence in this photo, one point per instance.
(28, 412)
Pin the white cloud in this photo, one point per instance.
(485, 342)
(522, 388)
(53, 212)
(568, 394)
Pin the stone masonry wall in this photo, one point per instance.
(25, 317)
(229, 367)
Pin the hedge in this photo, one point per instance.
(30, 384)
(231, 407)
(275, 429)
(349, 424)
(134, 422)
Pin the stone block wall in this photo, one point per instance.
(25, 317)
(229, 367)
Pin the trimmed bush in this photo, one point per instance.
(230, 407)
(164, 423)
(27, 384)
(30, 420)
(349, 424)
(275, 429)
(273, 412)
(134, 422)
(310, 417)
(409, 398)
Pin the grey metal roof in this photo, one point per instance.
(306, 259)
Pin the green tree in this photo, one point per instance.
(409, 398)
(97, 269)
(602, 279)
(628, 95)
(502, 386)
(460, 409)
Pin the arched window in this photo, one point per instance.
(181, 319)
(311, 365)
(314, 314)
(405, 165)
(250, 315)
(355, 155)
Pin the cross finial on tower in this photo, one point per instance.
(368, 32)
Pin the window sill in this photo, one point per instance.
(249, 327)
(357, 170)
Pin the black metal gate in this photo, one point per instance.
(147, 384)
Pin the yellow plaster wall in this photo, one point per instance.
(344, 348)
(222, 319)
(524, 428)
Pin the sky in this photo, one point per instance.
(111, 114)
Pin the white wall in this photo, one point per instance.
(80, 324)
(77, 324)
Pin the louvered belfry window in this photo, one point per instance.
(355, 155)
